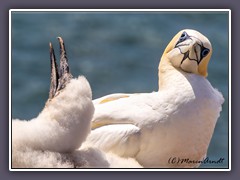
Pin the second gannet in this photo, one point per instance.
(52, 139)
(64, 123)
(163, 128)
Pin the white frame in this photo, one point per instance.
(120, 10)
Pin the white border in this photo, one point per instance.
(10, 90)
(118, 10)
(229, 91)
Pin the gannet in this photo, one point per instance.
(64, 123)
(170, 128)
(52, 139)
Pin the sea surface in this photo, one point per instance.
(117, 52)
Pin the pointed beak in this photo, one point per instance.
(59, 78)
(54, 73)
(64, 73)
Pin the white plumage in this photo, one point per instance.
(64, 118)
(52, 139)
(127, 130)
(177, 121)
(61, 120)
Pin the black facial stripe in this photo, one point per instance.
(181, 45)
(187, 37)
(186, 54)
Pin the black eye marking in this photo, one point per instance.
(204, 52)
(184, 36)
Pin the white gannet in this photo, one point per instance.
(52, 139)
(164, 128)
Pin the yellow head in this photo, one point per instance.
(190, 51)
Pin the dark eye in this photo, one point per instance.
(183, 37)
(205, 52)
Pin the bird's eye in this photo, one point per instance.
(183, 37)
(205, 52)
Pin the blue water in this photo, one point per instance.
(116, 51)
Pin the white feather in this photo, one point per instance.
(65, 117)
(128, 130)
(51, 140)
(177, 121)
(152, 127)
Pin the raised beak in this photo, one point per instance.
(59, 78)
(54, 73)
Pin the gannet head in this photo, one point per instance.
(189, 51)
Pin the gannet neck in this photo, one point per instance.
(165, 68)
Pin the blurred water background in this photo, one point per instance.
(116, 51)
